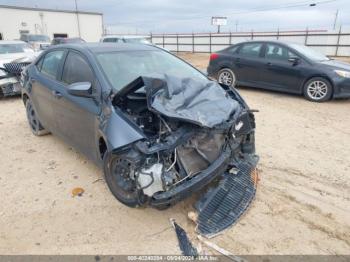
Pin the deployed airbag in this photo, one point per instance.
(204, 103)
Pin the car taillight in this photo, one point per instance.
(213, 56)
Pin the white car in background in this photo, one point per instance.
(13, 56)
(37, 42)
(126, 39)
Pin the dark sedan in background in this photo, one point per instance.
(281, 66)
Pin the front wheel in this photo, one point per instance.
(318, 89)
(119, 174)
(227, 77)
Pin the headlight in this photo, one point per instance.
(342, 73)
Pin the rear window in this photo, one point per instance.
(38, 38)
(112, 40)
(14, 48)
(251, 49)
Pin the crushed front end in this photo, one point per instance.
(10, 78)
(198, 138)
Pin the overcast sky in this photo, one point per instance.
(127, 16)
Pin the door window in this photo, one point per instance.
(251, 49)
(278, 52)
(233, 49)
(51, 63)
(76, 69)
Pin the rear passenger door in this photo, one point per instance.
(77, 117)
(43, 84)
(249, 63)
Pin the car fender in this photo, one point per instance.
(118, 131)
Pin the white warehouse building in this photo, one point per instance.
(15, 21)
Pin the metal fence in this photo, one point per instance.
(336, 43)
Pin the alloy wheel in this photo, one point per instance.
(227, 77)
(317, 90)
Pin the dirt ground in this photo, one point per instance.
(302, 204)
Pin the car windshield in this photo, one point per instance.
(309, 53)
(38, 38)
(14, 48)
(121, 68)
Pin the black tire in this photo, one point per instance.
(227, 77)
(318, 89)
(34, 123)
(117, 171)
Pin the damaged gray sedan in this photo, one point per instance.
(159, 128)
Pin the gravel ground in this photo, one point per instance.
(302, 204)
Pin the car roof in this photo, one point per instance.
(66, 37)
(12, 42)
(287, 43)
(126, 36)
(107, 47)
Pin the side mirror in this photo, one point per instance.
(82, 89)
(294, 60)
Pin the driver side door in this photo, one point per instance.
(77, 117)
(279, 73)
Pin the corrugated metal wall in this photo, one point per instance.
(329, 43)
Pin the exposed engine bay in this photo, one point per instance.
(184, 136)
(196, 137)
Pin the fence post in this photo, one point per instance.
(278, 33)
(177, 43)
(230, 41)
(338, 42)
(150, 33)
(252, 37)
(163, 40)
(210, 42)
(192, 42)
(306, 35)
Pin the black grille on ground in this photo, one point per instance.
(222, 206)
(15, 68)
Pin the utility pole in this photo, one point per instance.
(335, 19)
(76, 11)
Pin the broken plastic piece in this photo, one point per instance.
(185, 244)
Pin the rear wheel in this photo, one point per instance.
(118, 170)
(318, 89)
(33, 120)
(227, 77)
